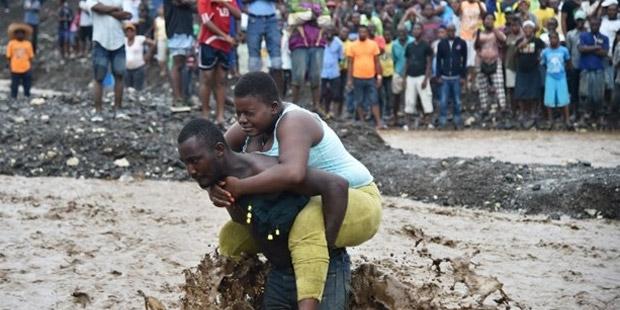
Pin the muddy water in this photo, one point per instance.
(523, 147)
(65, 242)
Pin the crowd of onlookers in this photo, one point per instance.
(526, 62)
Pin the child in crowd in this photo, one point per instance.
(419, 55)
(19, 53)
(65, 17)
(556, 58)
(387, 67)
(528, 82)
(134, 53)
(333, 53)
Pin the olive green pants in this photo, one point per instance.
(307, 241)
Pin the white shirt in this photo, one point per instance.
(609, 29)
(85, 17)
(285, 52)
(134, 53)
(133, 7)
(107, 30)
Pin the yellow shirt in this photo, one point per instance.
(19, 54)
(542, 17)
(344, 63)
(387, 62)
(363, 54)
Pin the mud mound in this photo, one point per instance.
(220, 283)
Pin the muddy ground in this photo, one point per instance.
(67, 242)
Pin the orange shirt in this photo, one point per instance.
(363, 54)
(19, 54)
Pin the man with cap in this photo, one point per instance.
(572, 43)
(19, 53)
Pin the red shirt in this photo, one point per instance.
(219, 15)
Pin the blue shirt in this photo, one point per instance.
(591, 61)
(554, 59)
(262, 7)
(332, 54)
(31, 11)
(398, 55)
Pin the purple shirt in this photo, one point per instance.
(311, 30)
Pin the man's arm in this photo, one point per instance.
(429, 69)
(463, 59)
(232, 7)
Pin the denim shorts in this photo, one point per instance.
(281, 292)
(307, 61)
(104, 59)
(267, 27)
(365, 93)
(209, 58)
(180, 44)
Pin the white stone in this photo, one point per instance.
(123, 162)
(37, 101)
(73, 161)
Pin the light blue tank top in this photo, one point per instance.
(329, 154)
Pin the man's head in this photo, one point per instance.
(363, 33)
(331, 32)
(257, 103)
(515, 25)
(489, 21)
(455, 5)
(542, 3)
(580, 19)
(524, 6)
(554, 39)
(401, 32)
(529, 28)
(368, 9)
(356, 18)
(202, 149)
(417, 31)
(428, 11)
(451, 30)
(612, 10)
(595, 24)
(552, 24)
(387, 35)
(372, 30)
(344, 33)
(442, 33)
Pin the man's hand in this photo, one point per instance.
(379, 79)
(121, 15)
(424, 83)
(230, 40)
(220, 197)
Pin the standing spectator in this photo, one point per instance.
(452, 70)
(215, 45)
(144, 27)
(419, 55)
(368, 18)
(398, 78)
(19, 53)
(306, 44)
(525, 13)
(514, 34)
(65, 16)
(134, 48)
(569, 8)
(108, 50)
(610, 24)
(455, 5)
(86, 31)
(263, 25)
(489, 75)
(593, 47)
(364, 76)
(331, 89)
(347, 94)
(180, 33)
(572, 43)
(555, 58)
(387, 68)
(31, 17)
(472, 12)
(528, 86)
(430, 23)
(162, 42)
(551, 27)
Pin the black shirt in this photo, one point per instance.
(569, 8)
(416, 54)
(179, 19)
(528, 57)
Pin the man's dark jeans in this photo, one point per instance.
(281, 292)
(25, 79)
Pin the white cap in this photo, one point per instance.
(607, 3)
(529, 23)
